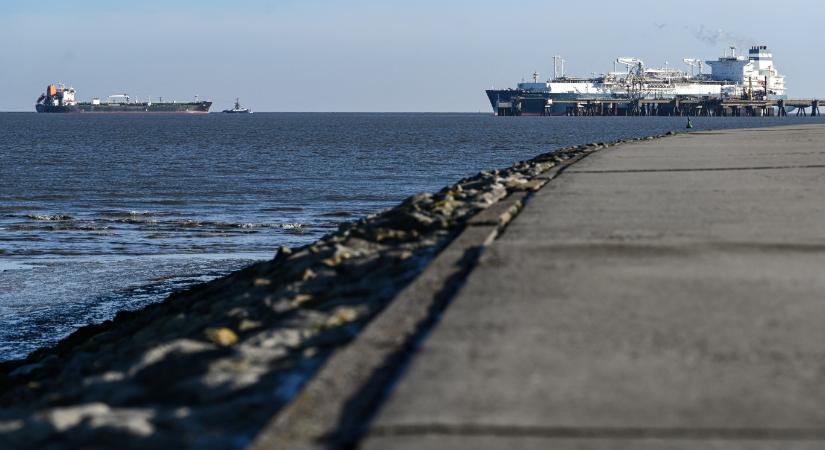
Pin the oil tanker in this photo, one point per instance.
(61, 99)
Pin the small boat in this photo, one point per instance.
(238, 109)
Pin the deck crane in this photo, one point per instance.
(635, 75)
(692, 62)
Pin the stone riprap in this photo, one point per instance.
(207, 367)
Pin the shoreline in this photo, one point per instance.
(46, 299)
(224, 356)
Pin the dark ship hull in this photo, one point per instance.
(523, 102)
(139, 108)
(519, 102)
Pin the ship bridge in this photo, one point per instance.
(756, 73)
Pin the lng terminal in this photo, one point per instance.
(737, 85)
(61, 99)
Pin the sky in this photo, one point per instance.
(381, 56)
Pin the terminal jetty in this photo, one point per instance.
(737, 85)
(663, 292)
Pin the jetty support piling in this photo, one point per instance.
(781, 111)
(680, 107)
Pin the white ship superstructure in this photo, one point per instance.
(754, 76)
(59, 95)
(732, 76)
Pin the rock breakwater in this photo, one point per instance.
(209, 366)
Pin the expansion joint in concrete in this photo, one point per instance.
(704, 169)
(551, 432)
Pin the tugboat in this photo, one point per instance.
(238, 109)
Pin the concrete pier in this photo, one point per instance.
(679, 106)
(660, 294)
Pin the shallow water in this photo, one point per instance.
(104, 213)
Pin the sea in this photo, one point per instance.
(103, 213)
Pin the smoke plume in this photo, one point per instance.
(718, 37)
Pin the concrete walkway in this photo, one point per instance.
(662, 294)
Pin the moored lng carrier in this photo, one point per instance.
(61, 99)
(732, 76)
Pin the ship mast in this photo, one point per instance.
(557, 60)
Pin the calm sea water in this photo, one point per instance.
(104, 213)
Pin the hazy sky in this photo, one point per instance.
(424, 55)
